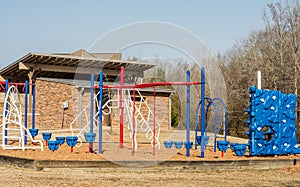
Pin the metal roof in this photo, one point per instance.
(67, 65)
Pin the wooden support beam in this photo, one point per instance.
(22, 66)
(2, 78)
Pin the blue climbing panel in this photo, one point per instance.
(271, 120)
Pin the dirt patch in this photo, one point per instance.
(291, 170)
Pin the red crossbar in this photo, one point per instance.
(14, 83)
(147, 85)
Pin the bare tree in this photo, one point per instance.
(273, 50)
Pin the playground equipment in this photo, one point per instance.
(271, 121)
(199, 138)
(168, 144)
(60, 139)
(14, 132)
(232, 146)
(223, 146)
(188, 145)
(132, 111)
(71, 141)
(53, 145)
(127, 107)
(90, 138)
(46, 136)
(178, 145)
(212, 108)
(240, 149)
(33, 132)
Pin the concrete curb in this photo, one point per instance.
(151, 165)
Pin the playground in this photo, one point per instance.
(271, 139)
(141, 149)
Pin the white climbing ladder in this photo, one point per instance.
(84, 115)
(142, 119)
(13, 130)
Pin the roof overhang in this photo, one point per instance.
(66, 66)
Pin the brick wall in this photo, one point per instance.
(49, 98)
(50, 95)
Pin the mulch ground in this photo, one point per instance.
(112, 152)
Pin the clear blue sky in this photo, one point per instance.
(65, 26)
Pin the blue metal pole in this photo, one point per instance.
(92, 110)
(225, 125)
(197, 123)
(202, 110)
(216, 120)
(215, 130)
(6, 112)
(26, 111)
(100, 110)
(188, 105)
(33, 107)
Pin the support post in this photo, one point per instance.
(6, 112)
(225, 125)
(81, 92)
(121, 107)
(188, 74)
(100, 111)
(26, 111)
(91, 111)
(169, 112)
(30, 88)
(258, 79)
(133, 123)
(33, 107)
(202, 111)
(154, 119)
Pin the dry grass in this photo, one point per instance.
(11, 176)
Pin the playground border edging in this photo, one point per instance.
(18, 162)
(152, 165)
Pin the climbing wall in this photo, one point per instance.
(271, 121)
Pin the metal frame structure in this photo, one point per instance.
(13, 129)
(133, 111)
(220, 119)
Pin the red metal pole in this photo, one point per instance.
(121, 107)
(154, 116)
(133, 122)
(90, 148)
(32, 141)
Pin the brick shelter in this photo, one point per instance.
(64, 78)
